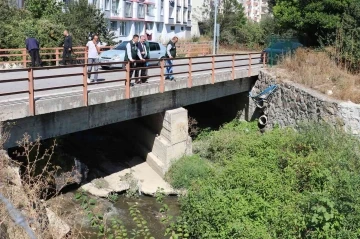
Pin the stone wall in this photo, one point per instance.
(293, 103)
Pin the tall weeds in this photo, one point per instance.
(319, 71)
(25, 184)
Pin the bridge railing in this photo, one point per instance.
(232, 62)
(53, 56)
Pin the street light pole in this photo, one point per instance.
(215, 21)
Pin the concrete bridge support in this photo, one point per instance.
(172, 143)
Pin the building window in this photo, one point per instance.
(115, 7)
(107, 5)
(150, 10)
(184, 16)
(178, 16)
(189, 16)
(141, 11)
(122, 29)
(159, 27)
(162, 8)
(172, 28)
(113, 25)
(138, 28)
(128, 9)
(182, 28)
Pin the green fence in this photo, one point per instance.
(278, 47)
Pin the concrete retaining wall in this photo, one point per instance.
(293, 103)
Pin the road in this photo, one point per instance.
(103, 76)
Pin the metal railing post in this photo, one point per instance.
(127, 84)
(249, 72)
(213, 70)
(264, 60)
(233, 67)
(190, 73)
(162, 76)
(24, 58)
(85, 85)
(31, 92)
(57, 53)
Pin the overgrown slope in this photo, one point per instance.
(282, 184)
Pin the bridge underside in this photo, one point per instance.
(56, 116)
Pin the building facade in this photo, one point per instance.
(255, 9)
(160, 20)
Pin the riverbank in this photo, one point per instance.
(285, 183)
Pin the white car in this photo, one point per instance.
(157, 51)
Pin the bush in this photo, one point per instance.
(188, 169)
(282, 184)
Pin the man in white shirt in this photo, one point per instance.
(93, 50)
(170, 55)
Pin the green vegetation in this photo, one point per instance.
(285, 183)
(46, 21)
(188, 169)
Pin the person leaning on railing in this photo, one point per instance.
(131, 55)
(143, 54)
(33, 47)
(170, 54)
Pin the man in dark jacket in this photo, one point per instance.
(170, 54)
(131, 55)
(143, 54)
(33, 47)
(67, 47)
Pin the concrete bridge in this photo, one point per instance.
(54, 101)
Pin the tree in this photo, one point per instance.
(230, 17)
(80, 18)
(43, 8)
(317, 18)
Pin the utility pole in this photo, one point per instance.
(215, 21)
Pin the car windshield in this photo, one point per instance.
(122, 46)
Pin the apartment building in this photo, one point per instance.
(160, 20)
(255, 9)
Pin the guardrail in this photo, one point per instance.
(54, 55)
(252, 61)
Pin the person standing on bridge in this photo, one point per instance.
(33, 47)
(170, 54)
(67, 47)
(93, 50)
(131, 55)
(143, 54)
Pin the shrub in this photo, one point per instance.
(282, 184)
(188, 169)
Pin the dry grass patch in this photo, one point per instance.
(318, 71)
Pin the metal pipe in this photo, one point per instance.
(215, 21)
(263, 120)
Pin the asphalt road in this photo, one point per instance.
(205, 63)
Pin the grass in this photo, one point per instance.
(319, 72)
